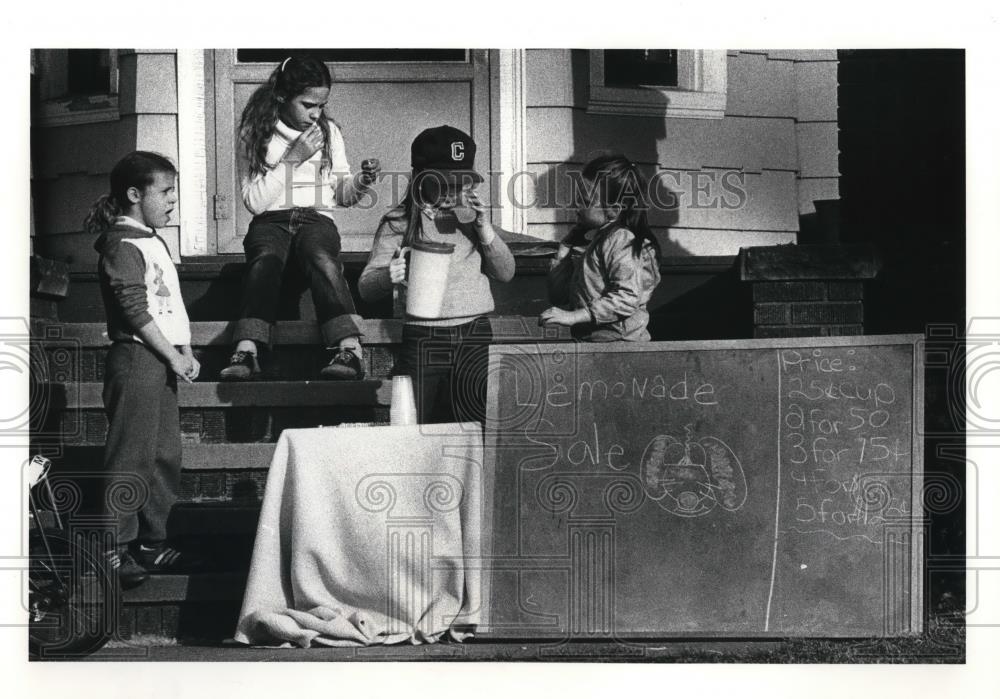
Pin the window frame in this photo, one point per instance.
(701, 94)
(81, 109)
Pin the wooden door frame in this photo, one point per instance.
(508, 111)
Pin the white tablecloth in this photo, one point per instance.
(362, 537)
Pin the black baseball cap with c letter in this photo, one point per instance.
(448, 151)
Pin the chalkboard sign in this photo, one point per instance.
(733, 488)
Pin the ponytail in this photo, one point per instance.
(102, 215)
(137, 169)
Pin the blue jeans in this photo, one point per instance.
(449, 367)
(312, 242)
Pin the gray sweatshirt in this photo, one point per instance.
(467, 292)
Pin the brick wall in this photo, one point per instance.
(808, 291)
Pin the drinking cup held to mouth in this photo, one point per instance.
(428, 276)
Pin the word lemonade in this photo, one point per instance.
(687, 475)
(840, 454)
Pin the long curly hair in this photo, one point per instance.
(137, 169)
(619, 181)
(290, 79)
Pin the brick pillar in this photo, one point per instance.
(808, 290)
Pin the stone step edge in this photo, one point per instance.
(220, 394)
(199, 587)
(291, 332)
(226, 456)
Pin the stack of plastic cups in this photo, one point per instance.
(402, 409)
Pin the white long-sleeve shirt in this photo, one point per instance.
(286, 185)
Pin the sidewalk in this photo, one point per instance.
(476, 651)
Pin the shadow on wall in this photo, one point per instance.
(597, 134)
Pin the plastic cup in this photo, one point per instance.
(402, 409)
(427, 278)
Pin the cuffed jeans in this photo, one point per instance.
(142, 453)
(449, 368)
(313, 243)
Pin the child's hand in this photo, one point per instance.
(558, 316)
(472, 201)
(561, 254)
(182, 366)
(481, 224)
(306, 145)
(397, 268)
(195, 365)
(370, 171)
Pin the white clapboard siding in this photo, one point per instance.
(770, 203)
(816, 91)
(818, 149)
(558, 134)
(813, 190)
(688, 241)
(760, 87)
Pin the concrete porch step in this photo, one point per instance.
(199, 587)
(377, 331)
(76, 351)
(220, 394)
(197, 457)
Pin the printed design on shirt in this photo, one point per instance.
(162, 293)
(693, 477)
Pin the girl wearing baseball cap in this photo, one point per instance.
(444, 350)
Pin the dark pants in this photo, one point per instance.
(449, 370)
(312, 242)
(142, 453)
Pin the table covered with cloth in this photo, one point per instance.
(363, 538)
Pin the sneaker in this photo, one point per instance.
(130, 573)
(242, 366)
(345, 365)
(167, 559)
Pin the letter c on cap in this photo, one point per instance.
(457, 150)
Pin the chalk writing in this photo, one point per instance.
(655, 387)
(839, 446)
(822, 389)
(580, 451)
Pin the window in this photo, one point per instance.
(74, 86)
(640, 68)
(658, 83)
(356, 55)
(88, 72)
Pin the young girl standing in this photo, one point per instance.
(151, 347)
(608, 266)
(446, 356)
(297, 173)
